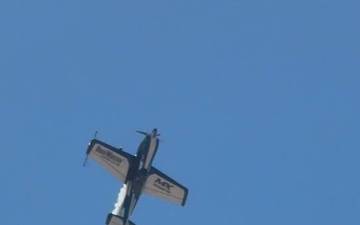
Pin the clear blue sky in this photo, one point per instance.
(257, 103)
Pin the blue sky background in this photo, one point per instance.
(257, 103)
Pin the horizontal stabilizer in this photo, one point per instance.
(116, 220)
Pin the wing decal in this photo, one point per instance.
(116, 161)
(160, 185)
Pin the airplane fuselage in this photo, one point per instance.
(138, 173)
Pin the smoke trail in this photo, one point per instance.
(120, 200)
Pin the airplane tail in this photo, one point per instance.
(116, 220)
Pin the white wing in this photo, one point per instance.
(116, 161)
(162, 186)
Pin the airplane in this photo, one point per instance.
(137, 174)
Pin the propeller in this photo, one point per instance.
(146, 134)
(142, 132)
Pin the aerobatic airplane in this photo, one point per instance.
(138, 174)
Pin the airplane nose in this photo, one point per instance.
(154, 131)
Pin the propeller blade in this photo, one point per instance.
(142, 132)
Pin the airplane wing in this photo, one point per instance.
(116, 161)
(162, 186)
